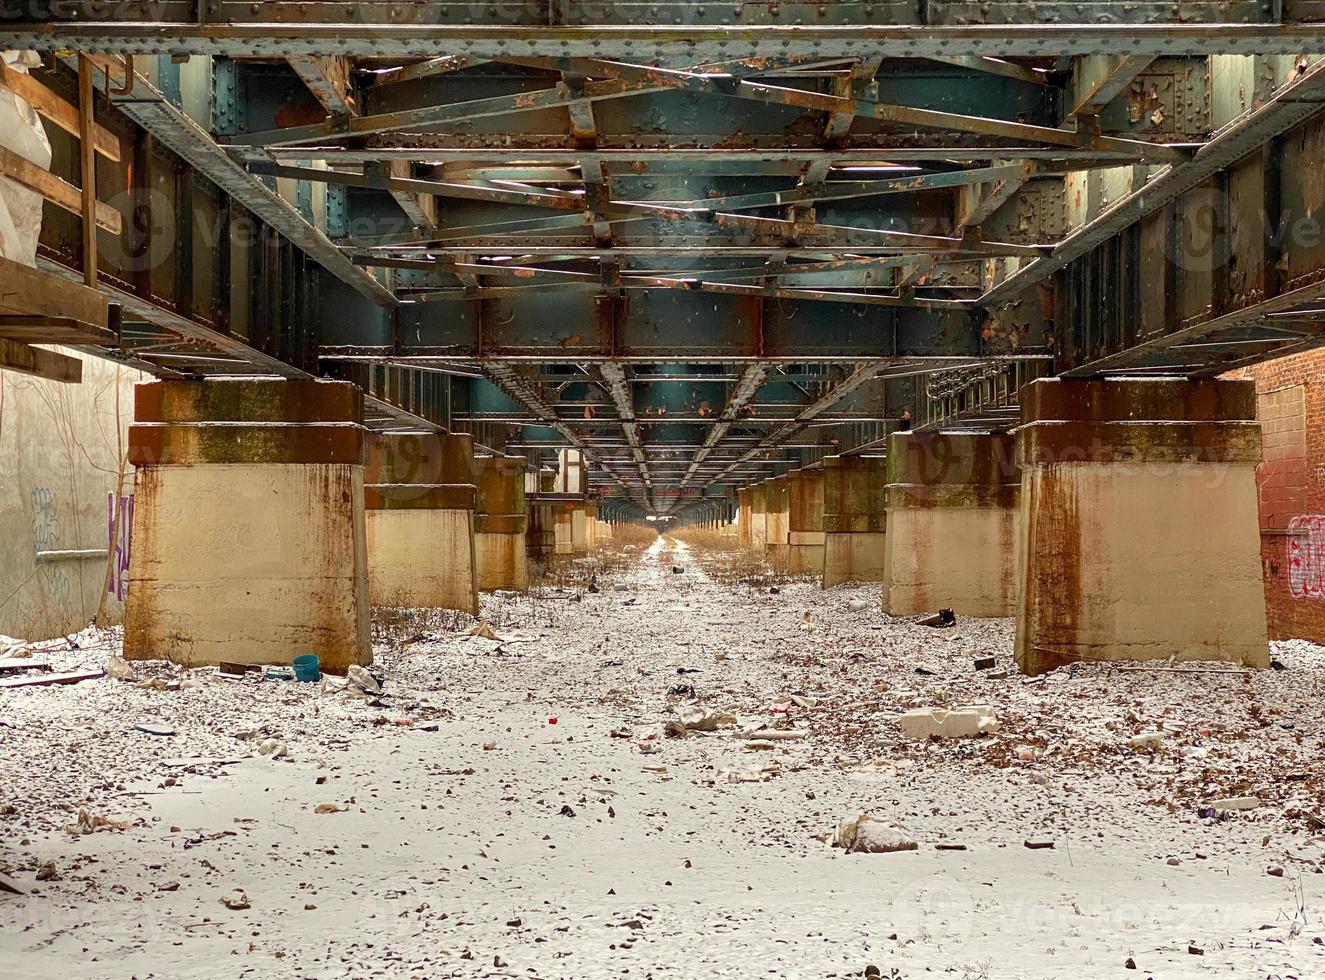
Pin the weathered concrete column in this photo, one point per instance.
(419, 495)
(1139, 535)
(540, 532)
(776, 517)
(582, 530)
(248, 524)
(952, 523)
(758, 519)
(743, 517)
(805, 522)
(500, 524)
(563, 528)
(591, 519)
(854, 519)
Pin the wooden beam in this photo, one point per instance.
(25, 359)
(29, 291)
(53, 330)
(57, 191)
(88, 156)
(57, 110)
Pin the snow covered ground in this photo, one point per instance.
(467, 834)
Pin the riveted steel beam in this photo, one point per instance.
(515, 385)
(310, 31)
(1290, 106)
(146, 106)
(744, 392)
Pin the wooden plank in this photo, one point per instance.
(24, 289)
(53, 330)
(8, 664)
(88, 168)
(57, 110)
(44, 680)
(25, 359)
(59, 192)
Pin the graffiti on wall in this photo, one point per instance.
(119, 544)
(46, 534)
(1306, 556)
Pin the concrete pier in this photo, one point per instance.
(854, 519)
(758, 519)
(500, 524)
(419, 496)
(1139, 536)
(952, 522)
(805, 522)
(249, 542)
(777, 515)
(743, 517)
(540, 533)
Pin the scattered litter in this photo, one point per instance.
(48, 872)
(273, 747)
(782, 704)
(120, 669)
(1146, 740)
(1040, 845)
(236, 901)
(858, 605)
(942, 619)
(43, 680)
(985, 663)
(1236, 803)
(236, 669)
(965, 721)
(158, 684)
(868, 834)
(359, 679)
(330, 808)
(484, 629)
(307, 668)
(10, 664)
(154, 728)
(748, 774)
(699, 718)
(90, 823)
(770, 734)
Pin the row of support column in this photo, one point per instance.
(1117, 522)
(267, 519)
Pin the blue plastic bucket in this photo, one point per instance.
(306, 668)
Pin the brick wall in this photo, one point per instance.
(1290, 402)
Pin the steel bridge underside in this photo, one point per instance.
(703, 243)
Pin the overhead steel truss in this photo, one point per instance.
(704, 243)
